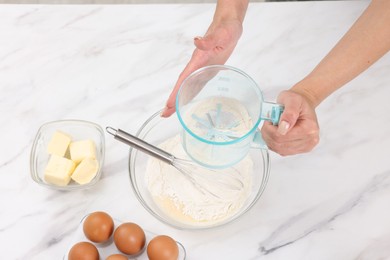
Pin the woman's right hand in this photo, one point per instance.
(214, 48)
(298, 129)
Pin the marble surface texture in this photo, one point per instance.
(115, 65)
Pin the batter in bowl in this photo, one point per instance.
(182, 201)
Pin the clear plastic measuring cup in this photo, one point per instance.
(220, 108)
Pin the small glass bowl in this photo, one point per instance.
(78, 130)
(156, 130)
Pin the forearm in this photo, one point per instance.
(365, 42)
(230, 10)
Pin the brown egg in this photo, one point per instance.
(98, 227)
(129, 238)
(117, 257)
(162, 248)
(83, 251)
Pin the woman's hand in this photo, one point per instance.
(364, 43)
(214, 48)
(298, 130)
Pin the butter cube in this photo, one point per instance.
(82, 149)
(59, 143)
(85, 171)
(59, 170)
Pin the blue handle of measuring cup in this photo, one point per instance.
(270, 112)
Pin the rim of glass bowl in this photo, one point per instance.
(33, 155)
(141, 133)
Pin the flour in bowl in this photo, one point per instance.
(181, 200)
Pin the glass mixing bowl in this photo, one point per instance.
(155, 131)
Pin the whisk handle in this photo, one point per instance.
(140, 144)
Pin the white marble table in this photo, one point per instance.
(115, 65)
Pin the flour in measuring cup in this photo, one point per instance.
(218, 119)
(178, 197)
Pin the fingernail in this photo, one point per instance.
(198, 38)
(283, 127)
(162, 114)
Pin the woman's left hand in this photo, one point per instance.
(214, 48)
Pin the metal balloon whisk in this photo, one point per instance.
(202, 180)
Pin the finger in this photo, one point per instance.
(292, 108)
(291, 147)
(301, 129)
(205, 43)
(292, 143)
(271, 136)
(170, 107)
(168, 111)
(214, 41)
(294, 147)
